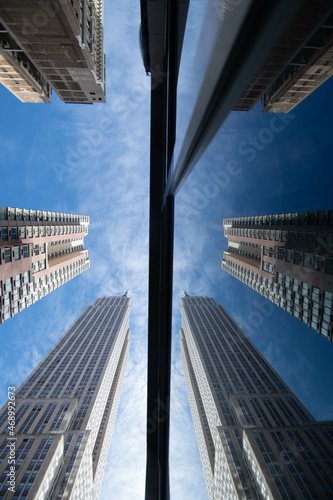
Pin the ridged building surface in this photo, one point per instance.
(256, 439)
(39, 251)
(65, 410)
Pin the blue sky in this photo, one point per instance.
(94, 160)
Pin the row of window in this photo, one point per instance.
(309, 218)
(317, 262)
(7, 213)
(309, 238)
(23, 232)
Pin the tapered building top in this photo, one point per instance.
(65, 410)
(256, 439)
(39, 251)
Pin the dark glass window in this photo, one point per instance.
(300, 238)
(297, 257)
(329, 265)
(8, 255)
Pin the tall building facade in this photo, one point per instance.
(301, 61)
(65, 410)
(256, 439)
(53, 44)
(39, 251)
(287, 258)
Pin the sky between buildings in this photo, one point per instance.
(94, 160)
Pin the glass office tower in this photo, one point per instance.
(287, 258)
(65, 410)
(256, 439)
(39, 251)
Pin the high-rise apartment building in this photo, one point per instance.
(39, 251)
(65, 410)
(256, 439)
(287, 258)
(301, 61)
(53, 44)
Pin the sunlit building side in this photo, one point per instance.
(66, 409)
(39, 251)
(256, 439)
(287, 258)
(53, 44)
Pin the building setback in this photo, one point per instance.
(256, 439)
(287, 258)
(53, 44)
(65, 410)
(39, 251)
(301, 61)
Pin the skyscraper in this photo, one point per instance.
(287, 258)
(256, 439)
(65, 410)
(39, 251)
(301, 61)
(57, 44)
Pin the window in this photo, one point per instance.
(283, 235)
(297, 298)
(36, 249)
(8, 255)
(281, 253)
(329, 265)
(277, 235)
(36, 231)
(288, 255)
(317, 263)
(43, 231)
(42, 248)
(305, 289)
(309, 238)
(26, 252)
(4, 234)
(291, 237)
(14, 233)
(17, 253)
(23, 232)
(295, 285)
(306, 259)
(328, 299)
(30, 234)
(3, 213)
(300, 238)
(297, 257)
(324, 329)
(315, 294)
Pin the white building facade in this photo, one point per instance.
(256, 440)
(65, 410)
